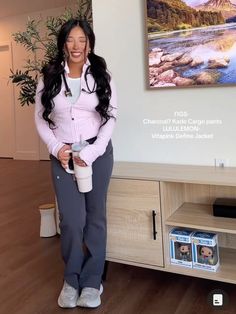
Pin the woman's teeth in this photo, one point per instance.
(76, 54)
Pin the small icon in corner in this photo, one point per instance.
(218, 299)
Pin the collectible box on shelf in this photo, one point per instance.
(181, 247)
(205, 251)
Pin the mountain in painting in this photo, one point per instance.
(226, 7)
(219, 5)
(168, 15)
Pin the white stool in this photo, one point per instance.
(47, 225)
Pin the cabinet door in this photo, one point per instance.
(130, 208)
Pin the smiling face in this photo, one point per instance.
(77, 46)
(206, 251)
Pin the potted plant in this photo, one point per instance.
(33, 41)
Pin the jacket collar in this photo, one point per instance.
(86, 64)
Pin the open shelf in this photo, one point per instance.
(200, 216)
(226, 271)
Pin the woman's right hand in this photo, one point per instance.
(63, 156)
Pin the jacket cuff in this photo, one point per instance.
(56, 149)
(87, 156)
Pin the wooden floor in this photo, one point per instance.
(31, 268)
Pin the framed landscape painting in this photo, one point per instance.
(191, 42)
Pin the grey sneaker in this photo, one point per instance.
(90, 297)
(68, 296)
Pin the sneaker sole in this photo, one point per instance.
(90, 305)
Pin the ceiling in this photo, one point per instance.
(18, 7)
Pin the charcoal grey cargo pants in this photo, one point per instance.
(83, 221)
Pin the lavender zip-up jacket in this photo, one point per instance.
(77, 120)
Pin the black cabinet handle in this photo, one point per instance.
(154, 224)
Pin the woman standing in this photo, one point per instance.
(76, 99)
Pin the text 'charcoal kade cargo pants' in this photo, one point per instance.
(83, 221)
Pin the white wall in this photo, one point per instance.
(119, 28)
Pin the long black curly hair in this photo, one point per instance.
(53, 71)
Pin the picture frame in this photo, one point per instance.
(190, 43)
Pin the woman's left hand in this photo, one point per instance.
(80, 162)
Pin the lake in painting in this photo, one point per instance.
(191, 42)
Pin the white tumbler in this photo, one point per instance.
(83, 175)
(47, 225)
